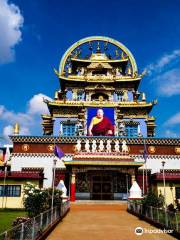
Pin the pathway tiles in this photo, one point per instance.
(102, 222)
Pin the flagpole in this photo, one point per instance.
(143, 182)
(145, 155)
(53, 180)
(58, 153)
(146, 180)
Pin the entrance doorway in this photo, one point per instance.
(102, 187)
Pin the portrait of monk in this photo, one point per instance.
(100, 125)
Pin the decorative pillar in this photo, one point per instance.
(73, 187)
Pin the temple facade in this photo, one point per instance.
(103, 124)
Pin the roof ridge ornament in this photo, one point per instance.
(98, 49)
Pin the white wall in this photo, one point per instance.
(154, 162)
(46, 162)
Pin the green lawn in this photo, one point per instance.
(7, 217)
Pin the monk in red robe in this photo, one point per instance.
(100, 125)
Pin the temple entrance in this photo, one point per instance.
(101, 187)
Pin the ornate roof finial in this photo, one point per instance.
(129, 72)
(122, 55)
(117, 53)
(98, 49)
(105, 46)
(56, 95)
(16, 129)
(90, 46)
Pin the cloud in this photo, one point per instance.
(163, 62)
(165, 74)
(36, 104)
(13, 117)
(27, 120)
(168, 83)
(11, 22)
(170, 134)
(174, 120)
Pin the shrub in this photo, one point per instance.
(153, 200)
(37, 200)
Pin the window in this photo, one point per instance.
(68, 129)
(177, 192)
(10, 191)
(132, 131)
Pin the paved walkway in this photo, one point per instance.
(102, 222)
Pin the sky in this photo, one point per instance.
(35, 34)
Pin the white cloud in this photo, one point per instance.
(36, 104)
(168, 83)
(174, 120)
(170, 134)
(164, 62)
(11, 22)
(165, 74)
(8, 130)
(13, 117)
(27, 120)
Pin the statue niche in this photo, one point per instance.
(97, 96)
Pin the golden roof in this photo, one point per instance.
(94, 65)
(99, 56)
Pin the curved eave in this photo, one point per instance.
(148, 106)
(140, 104)
(46, 115)
(104, 163)
(100, 61)
(99, 80)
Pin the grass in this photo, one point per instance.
(7, 216)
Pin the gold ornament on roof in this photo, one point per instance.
(16, 129)
(122, 55)
(56, 95)
(98, 50)
(129, 71)
(117, 53)
(69, 70)
(101, 98)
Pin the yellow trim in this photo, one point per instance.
(76, 78)
(100, 60)
(103, 163)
